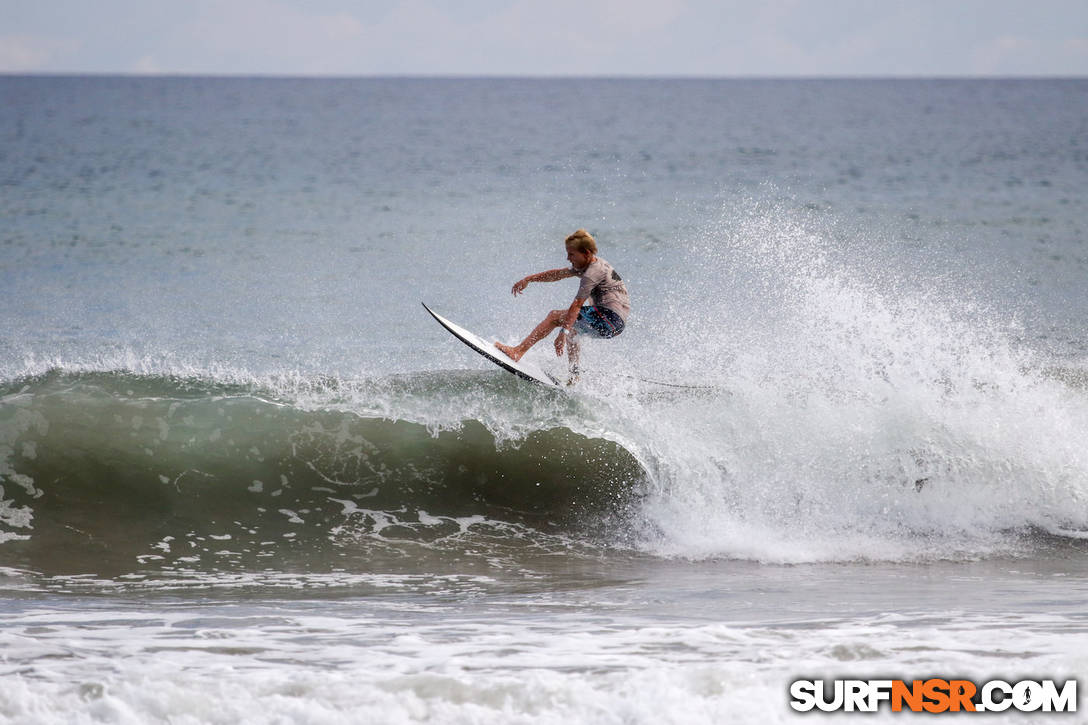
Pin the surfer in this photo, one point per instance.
(600, 284)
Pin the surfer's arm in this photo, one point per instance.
(552, 275)
(566, 323)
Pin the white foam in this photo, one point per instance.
(858, 416)
(221, 666)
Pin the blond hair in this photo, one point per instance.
(583, 241)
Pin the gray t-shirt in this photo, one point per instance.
(604, 286)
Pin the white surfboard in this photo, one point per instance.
(522, 368)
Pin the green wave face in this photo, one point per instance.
(109, 474)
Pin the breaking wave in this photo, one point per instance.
(819, 408)
(102, 471)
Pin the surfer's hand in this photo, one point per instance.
(520, 286)
(560, 341)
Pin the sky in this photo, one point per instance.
(703, 38)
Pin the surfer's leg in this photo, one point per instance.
(549, 323)
(572, 358)
(572, 351)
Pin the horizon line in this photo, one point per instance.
(538, 76)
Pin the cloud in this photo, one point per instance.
(413, 37)
(26, 53)
(1000, 54)
(549, 37)
(1076, 52)
(147, 65)
(527, 36)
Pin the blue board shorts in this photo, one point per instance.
(598, 321)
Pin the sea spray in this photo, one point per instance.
(867, 416)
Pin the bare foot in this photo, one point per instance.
(511, 352)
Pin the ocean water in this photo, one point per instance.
(244, 477)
